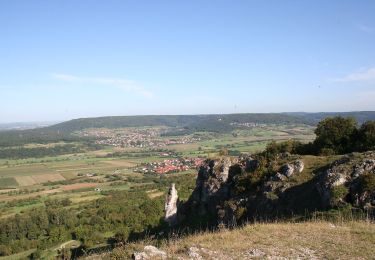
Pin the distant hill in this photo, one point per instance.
(196, 122)
(212, 123)
(314, 118)
(24, 125)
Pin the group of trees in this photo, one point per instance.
(335, 135)
(118, 217)
(38, 152)
(121, 213)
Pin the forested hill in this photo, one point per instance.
(206, 122)
(212, 123)
(197, 122)
(314, 118)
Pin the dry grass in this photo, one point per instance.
(154, 195)
(309, 240)
(37, 179)
(77, 186)
(120, 163)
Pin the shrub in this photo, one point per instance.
(338, 193)
(367, 183)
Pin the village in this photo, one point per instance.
(136, 138)
(170, 165)
(248, 124)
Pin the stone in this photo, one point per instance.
(334, 179)
(287, 170)
(279, 177)
(171, 206)
(225, 173)
(255, 253)
(150, 253)
(299, 166)
(193, 253)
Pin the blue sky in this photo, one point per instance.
(68, 59)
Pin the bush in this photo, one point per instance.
(367, 183)
(338, 193)
(366, 136)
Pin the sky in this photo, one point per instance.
(68, 59)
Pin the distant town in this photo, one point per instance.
(136, 138)
(170, 165)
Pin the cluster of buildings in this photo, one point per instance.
(248, 124)
(170, 165)
(140, 138)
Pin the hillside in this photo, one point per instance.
(314, 118)
(308, 240)
(288, 206)
(184, 124)
(196, 122)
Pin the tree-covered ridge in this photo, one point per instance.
(315, 118)
(190, 123)
(196, 122)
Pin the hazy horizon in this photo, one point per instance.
(70, 59)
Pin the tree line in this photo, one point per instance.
(335, 135)
(38, 152)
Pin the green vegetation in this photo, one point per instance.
(61, 187)
(37, 152)
(335, 135)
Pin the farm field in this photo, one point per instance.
(84, 178)
(33, 177)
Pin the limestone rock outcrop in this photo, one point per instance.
(150, 253)
(171, 205)
(342, 182)
(290, 168)
(229, 191)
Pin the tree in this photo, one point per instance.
(366, 136)
(122, 235)
(336, 133)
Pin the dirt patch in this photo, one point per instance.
(155, 194)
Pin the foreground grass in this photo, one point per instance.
(308, 240)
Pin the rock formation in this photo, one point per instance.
(231, 190)
(290, 168)
(171, 206)
(346, 181)
(150, 253)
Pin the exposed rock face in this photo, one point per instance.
(290, 168)
(230, 191)
(211, 185)
(150, 253)
(367, 166)
(171, 206)
(299, 166)
(287, 170)
(344, 174)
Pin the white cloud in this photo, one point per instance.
(363, 75)
(124, 84)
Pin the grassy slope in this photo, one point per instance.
(309, 240)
